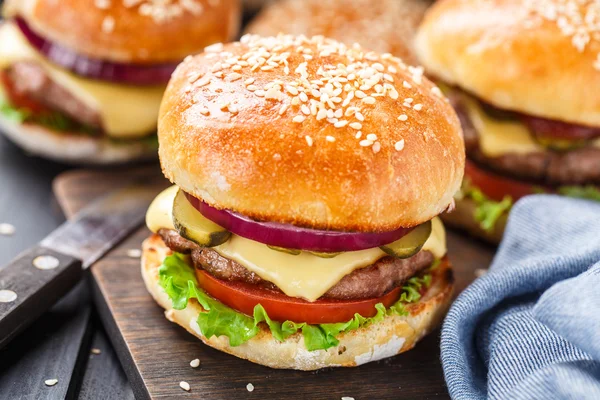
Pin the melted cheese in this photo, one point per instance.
(498, 137)
(304, 275)
(126, 111)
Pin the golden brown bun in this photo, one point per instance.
(463, 218)
(392, 336)
(222, 140)
(513, 58)
(386, 26)
(74, 148)
(140, 33)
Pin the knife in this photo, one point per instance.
(38, 277)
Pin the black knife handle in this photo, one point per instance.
(32, 283)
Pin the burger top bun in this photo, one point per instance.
(310, 132)
(131, 31)
(539, 57)
(386, 26)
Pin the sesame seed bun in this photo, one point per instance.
(387, 338)
(518, 55)
(385, 26)
(75, 148)
(143, 32)
(251, 127)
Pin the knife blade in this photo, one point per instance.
(38, 277)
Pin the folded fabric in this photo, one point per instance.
(530, 328)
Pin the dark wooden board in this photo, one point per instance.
(155, 353)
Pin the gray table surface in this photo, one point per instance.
(59, 345)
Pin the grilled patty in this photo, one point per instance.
(574, 167)
(30, 80)
(369, 282)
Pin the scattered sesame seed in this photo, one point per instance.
(195, 363)
(134, 253)
(309, 140)
(369, 100)
(250, 387)
(403, 117)
(372, 137)
(406, 85)
(51, 382)
(234, 76)
(96, 351)
(184, 385)
(340, 124)
(299, 119)
(330, 139)
(7, 229)
(399, 145)
(418, 107)
(408, 100)
(356, 125)
(108, 24)
(358, 134)
(365, 143)
(249, 81)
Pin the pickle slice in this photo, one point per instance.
(323, 255)
(293, 252)
(410, 244)
(194, 226)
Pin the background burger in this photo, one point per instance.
(303, 230)
(385, 26)
(523, 77)
(83, 81)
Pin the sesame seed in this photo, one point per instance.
(234, 76)
(418, 107)
(322, 114)
(96, 351)
(50, 382)
(359, 116)
(250, 387)
(299, 119)
(358, 134)
(376, 147)
(406, 85)
(369, 100)
(360, 94)
(251, 88)
(365, 143)
(303, 97)
(184, 385)
(403, 117)
(340, 124)
(309, 140)
(372, 137)
(283, 109)
(305, 110)
(408, 100)
(330, 139)
(7, 229)
(436, 91)
(399, 145)
(108, 24)
(195, 363)
(134, 253)
(356, 125)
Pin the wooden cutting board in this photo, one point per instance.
(156, 353)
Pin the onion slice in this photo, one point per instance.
(94, 68)
(294, 237)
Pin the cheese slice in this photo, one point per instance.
(498, 137)
(126, 111)
(304, 275)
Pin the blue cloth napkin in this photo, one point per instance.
(530, 328)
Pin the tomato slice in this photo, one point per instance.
(496, 186)
(243, 297)
(19, 100)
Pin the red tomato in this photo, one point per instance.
(19, 100)
(243, 297)
(495, 186)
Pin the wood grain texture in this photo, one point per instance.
(156, 353)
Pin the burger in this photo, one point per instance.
(81, 82)
(302, 229)
(523, 78)
(385, 26)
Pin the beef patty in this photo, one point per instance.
(30, 80)
(576, 167)
(369, 282)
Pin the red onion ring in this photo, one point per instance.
(553, 129)
(294, 237)
(95, 68)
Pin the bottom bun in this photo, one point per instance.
(73, 148)
(387, 338)
(463, 218)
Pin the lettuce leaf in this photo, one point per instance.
(487, 211)
(178, 280)
(581, 192)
